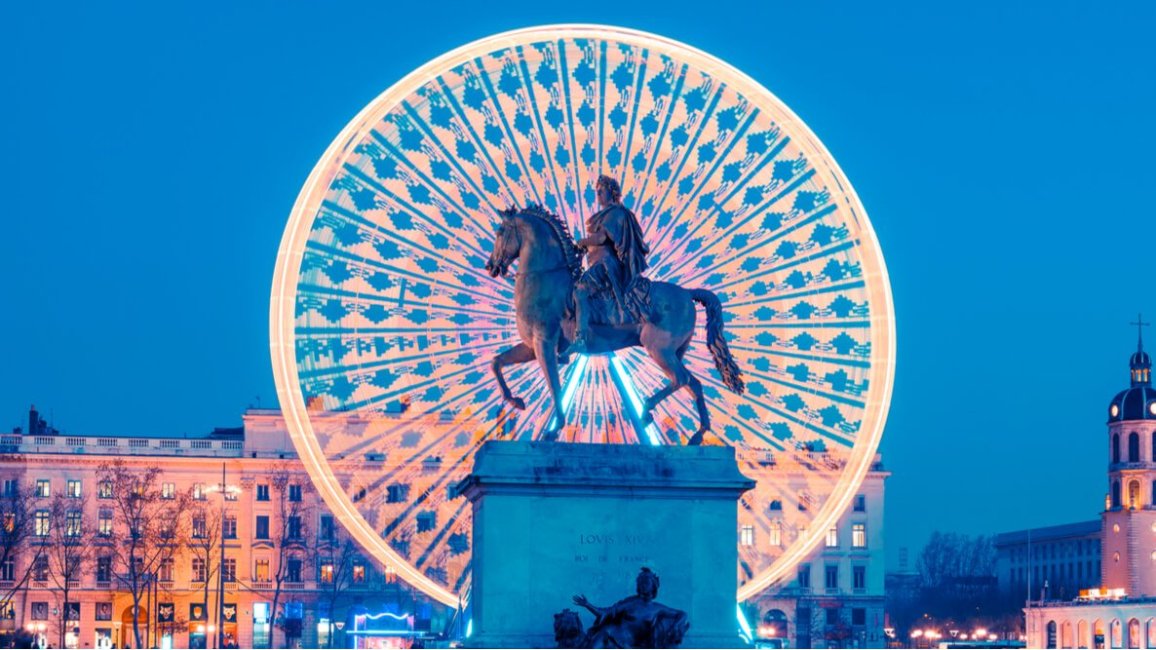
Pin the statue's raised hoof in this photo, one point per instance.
(647, 417)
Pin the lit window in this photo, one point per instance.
(747, 536)
(200, 527)
(776, 535)
(833, 537)
(43, 488)
(859, 536)
(261, 570)
(72, 524)
(104, 490)
(104, 523)
(325, 571)
(358, 572)
(74, 489)
(168, 491)
(199, 573)
(199, 491)
(230, 570)
(43, 524)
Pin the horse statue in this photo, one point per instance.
(549, 264)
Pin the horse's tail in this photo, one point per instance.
(727, 368)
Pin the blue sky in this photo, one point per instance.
(152, 153)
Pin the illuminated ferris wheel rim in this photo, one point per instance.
(290, 255)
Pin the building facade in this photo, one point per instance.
(256, 532)
(836, 597)
(1121, 612)
(1052, 563)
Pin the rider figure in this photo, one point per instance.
(615, 259)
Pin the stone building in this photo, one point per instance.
(836, 596)
(328, 594)
(1121, 612)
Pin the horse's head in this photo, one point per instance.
(507, 245)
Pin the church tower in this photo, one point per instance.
(1128, 534)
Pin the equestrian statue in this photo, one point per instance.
(562, 309)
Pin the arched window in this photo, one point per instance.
(1082, 640)
(1098, 634)
(1134, 494)
(1115, 447)
(1133, 447)
(1152, 633)
(1154, 456)
(1051, 635)
(1117, 633)
(774, 625)
(1066, 635)
(1134, 633)
(1115, 494)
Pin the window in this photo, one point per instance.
(293, 570)
(747, 536)
(104, 524)
(43, 524)
(776, 505)
(199, 491)
(73, 490)
(200, 528)
(103, 611)
(358, 572)
(804, 576)
(40, 568)
(104, 490)
(859, 577)
(231, 493)
(295, 492)
(104, 569)
(831, 577)
(229, 530)
(325, 570)
(1115, 494)
(165, 572)
(8, 611)
(40, 611)
(199, 572)
(326, 531)
(1115, 448)
(858, 616)
(1133, 447)
(11, 488)
(262, 527)
(776, 535)
(860, 503)
(230, 569)
(8, 569)
(261, 570)
(833, 537)
(72, 523)
(262, 492)
(858, 535)
(832, 616)
(168, 491)
(43, 488)
(293, 527)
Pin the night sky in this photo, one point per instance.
(151, 155)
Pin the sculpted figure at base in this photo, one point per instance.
(606, 307)
(635, 622)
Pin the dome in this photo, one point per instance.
(1135, 403)
(1140, 359)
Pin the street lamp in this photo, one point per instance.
(228, 493)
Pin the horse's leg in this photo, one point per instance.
(695, 387)
(520, 353)
(657, 346)
(545, 350)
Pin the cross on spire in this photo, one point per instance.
(1140, 324)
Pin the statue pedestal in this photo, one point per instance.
(554, 519)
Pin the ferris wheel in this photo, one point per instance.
(384, 322)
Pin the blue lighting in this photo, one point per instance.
(632, 397)
(744, 627)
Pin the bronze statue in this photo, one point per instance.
(568, 631)
(659, 316)
(615, 260)
(635, 622)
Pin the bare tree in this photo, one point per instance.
(288, 532)
(204, 545)
(21, 536)
(69, 553)
(335, 555)
(148, 527)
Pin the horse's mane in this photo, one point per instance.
(570, 250)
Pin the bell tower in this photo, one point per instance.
(1128, 534)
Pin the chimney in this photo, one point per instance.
(33, 421)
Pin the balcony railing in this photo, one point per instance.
(104, 446)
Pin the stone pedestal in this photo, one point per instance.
(553, 519)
